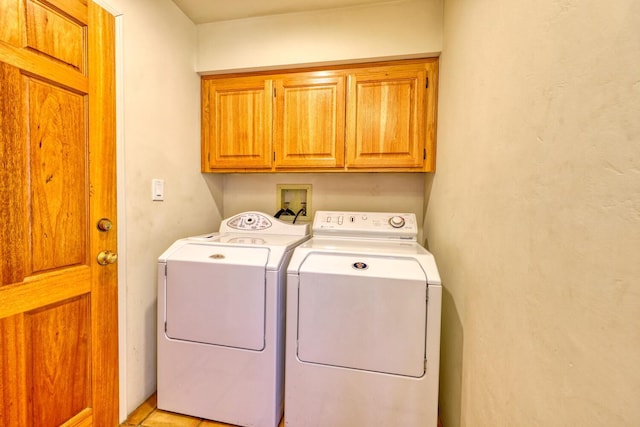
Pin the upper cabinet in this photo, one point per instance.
(309, 121)
(236, 123)
(387, 117)
(366, 117)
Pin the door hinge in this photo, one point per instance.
(427, 85)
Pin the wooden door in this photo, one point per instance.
(236, 123)
(386, 119)
(309, 120)
(58, 307)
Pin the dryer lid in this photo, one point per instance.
(216, 295)
(220, 254)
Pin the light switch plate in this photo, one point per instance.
(157, 190)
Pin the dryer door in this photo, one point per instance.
(363, 312)
(216, 295)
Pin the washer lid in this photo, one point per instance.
(216, 295)
(363, 312)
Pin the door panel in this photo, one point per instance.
(58, 160)
(76, 9)
(13, 179)
(13, 393)
(385, 119)
(54, 35)
(58, 308)
(58, 358)
(236, 123)
(310, 115)
(10, 21)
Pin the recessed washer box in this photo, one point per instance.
(294, 197)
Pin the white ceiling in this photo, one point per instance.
(202, 11)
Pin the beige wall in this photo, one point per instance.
(534, 213)
(398, 192)
(403, 28)
(160, 107)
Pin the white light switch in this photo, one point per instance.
(157, 189)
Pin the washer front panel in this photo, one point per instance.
(216, 295)
(363, 312)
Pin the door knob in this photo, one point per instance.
(104, 224)
(107, 257)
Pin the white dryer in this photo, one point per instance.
(221, 321)
(363, 324)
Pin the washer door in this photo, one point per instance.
(363, 312)
(216, 295)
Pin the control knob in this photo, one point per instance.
(396, 221)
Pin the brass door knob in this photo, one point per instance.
(107, 257)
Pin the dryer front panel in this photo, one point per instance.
(216, 295)
(363, 312)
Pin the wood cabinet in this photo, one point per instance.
(365, 117)
(236, 123)
(386, 122)
(309, 122)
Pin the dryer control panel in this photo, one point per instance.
(391, 225)
(249, 221)
(258, 222)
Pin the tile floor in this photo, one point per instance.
(147, 415)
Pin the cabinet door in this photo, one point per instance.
(386, 117)
(309, 121)
(236, 123)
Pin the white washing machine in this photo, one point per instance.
(363, 324)
(221, 321)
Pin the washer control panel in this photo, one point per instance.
(366, 224)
